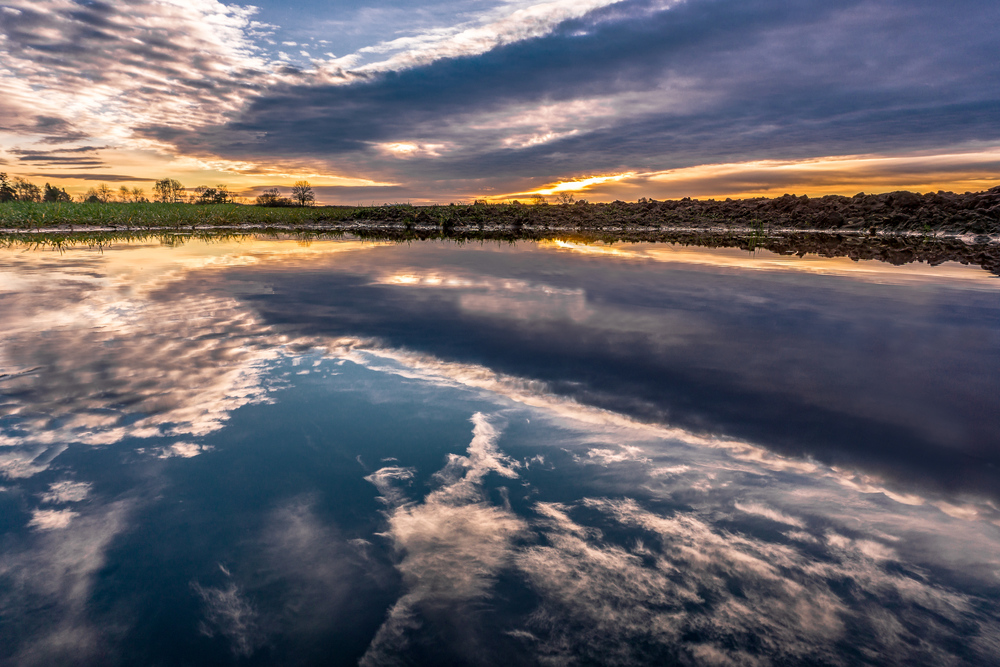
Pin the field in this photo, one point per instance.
(895, 212)
(30, 215)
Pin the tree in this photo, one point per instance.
(565, 197)
(7, 191)
(218, 195)
(102, 194)
(167, 190)
(272, 197)
(26, 191)
(128, 195)
(302, 193)
(54, 194)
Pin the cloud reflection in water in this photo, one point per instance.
(566, 531)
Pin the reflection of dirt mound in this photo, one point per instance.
(896, 250)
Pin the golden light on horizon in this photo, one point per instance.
(579, 185)
(971, 171)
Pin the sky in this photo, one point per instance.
(427, 101)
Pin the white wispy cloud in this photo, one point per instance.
(51, 519)
(72, 71)
(229, 613)
(66, 491)
(452, 544)
(48, 578)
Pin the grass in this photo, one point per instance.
(28, 215)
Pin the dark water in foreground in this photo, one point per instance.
(275, 453)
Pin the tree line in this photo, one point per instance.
(165, 190)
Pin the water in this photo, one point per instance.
(275, 452)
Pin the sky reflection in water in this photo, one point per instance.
(275, 452)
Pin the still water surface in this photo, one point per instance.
(272, 452)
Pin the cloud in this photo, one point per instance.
(47, 579)
(768, 513)
(652, 87)
(66, 491)
(452, 545)
(688, 590)
(387, 480)
(109, 178)
(478, 101)
(157, 366)
(75, 70)
(51, 519)
(229, 613)
(184, 450)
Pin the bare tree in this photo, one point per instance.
(302, 193)
(565, 197)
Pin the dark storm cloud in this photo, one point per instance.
(705, 80)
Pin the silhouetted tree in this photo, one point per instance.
(54, 194)
(218, 195)
(102, 194)
(26, 191)
(131, 195)
(302, 193)
(167, 190)
(565, 197)
(272, 197)
(7, 191)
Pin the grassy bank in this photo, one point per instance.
(895, 212)
(31, 215)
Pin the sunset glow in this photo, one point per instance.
(607, 99)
